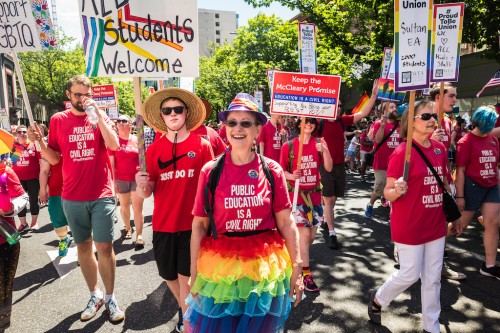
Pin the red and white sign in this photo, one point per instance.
(104, 96)
(306, 95)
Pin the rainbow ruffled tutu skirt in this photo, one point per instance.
(242, 285)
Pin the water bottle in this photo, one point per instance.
(9, 232)
(92, 114)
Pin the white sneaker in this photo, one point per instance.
(34, 226)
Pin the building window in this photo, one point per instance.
(217, 32)
(217, 41)
(10, 90)
(217, 24)
(216, 15)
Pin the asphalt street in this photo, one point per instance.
(46, 302)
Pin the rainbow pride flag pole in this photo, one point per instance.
(361, 104)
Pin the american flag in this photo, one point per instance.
(495, 81)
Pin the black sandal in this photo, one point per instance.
(374, 310)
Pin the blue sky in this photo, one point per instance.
(67, 12)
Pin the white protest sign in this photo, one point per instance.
(18, 31)
(259, 96)
(412, 42)
(4, 120)
(307, 48)
(386, 62)
(446, 40)
(137, 38)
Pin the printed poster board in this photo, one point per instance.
(104, 95)
(305, 95)
(137, 38)
(412, 43)
(446, 39)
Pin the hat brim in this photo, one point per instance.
(224, 114)
(153, 116)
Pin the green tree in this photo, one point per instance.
(267, 42)
(46, 72)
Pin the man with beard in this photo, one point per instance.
(386, 130)
(87, 197)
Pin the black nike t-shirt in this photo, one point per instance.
(176, 179)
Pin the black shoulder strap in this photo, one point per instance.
(386, 137)
(320, 126)
(341, 121)
(290, 156)
(421, 153)
(269, 175)
(213, 180)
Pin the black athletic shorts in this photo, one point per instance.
(172, 253)
(333, 182)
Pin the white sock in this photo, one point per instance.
(489, 266)
(332, 232)
(108, 297)
(97, 293)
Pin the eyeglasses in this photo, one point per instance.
(428, 116)
(167, 110)
(311, 121)
(78, 95)
(244, 123)
(22, 132)
(122, 121)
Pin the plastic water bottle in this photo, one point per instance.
(92, 114)
(8, 232)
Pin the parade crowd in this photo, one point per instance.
(226, 240)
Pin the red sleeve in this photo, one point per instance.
(262, 135)
(463, 151)
(111, 152)
(348, 121)
(199, 201)
(396, 162)
(53, 138)
(13, 184)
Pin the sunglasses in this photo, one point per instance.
(167, 110)
(244, 123)
(428, 116)
(340, 106)
(78, 95)
(311, 121)
(122, 121)
(21, 132)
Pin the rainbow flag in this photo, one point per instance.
(17, 151)
(361, 104)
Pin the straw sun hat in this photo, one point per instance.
(153, 116)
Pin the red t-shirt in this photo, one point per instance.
(15, 190)
(270, 136)
(126, 159)
(382, 156)
(364, 138)
(479, 156)
(28, 164)
(208, 133)
(175, 190)
(243, 196)
(55, 181)
(223, 134)
(418, 216)
(460, 133)
(311, 160)
(333, 133)
(86, 168)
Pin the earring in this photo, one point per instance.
(254, 146)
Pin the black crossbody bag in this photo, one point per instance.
(450, 206)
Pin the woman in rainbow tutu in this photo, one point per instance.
(246, 269)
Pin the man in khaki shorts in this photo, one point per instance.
(87, 196)
(383, 129)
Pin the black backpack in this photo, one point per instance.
(213, 181)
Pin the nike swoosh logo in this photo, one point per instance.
(164, 165)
